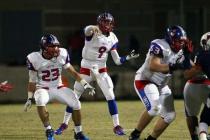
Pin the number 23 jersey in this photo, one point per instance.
(98, 47)
(48, 71)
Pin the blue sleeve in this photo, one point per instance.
(156, 50)
(115, 46)
(30, 65)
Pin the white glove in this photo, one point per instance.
(132, 55)
(177, 58)
(208, 102)
(28, 104)
(88, 87)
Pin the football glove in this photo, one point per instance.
(132, 55)
(177, 58)
(28, 104)
(176, 66)
(5, 87)
(188, 47)
(88, 87)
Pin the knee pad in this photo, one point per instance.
(41, 97)
(109, 94)
(154, 111)
(77, 105)
(169, 117)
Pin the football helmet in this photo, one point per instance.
(105, 22)
(205, 41)
(50, 46)
(176, 37)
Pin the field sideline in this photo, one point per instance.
(97, 124)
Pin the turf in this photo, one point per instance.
(97, 123)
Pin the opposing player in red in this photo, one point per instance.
(197, 92)
(45, 84)
(99, 41)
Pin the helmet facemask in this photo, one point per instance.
(105, 22)
(205, 41)
(50, 46)
(176, 37)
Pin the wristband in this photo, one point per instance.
(83, 82)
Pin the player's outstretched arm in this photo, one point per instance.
(120, 60)
(76, 75)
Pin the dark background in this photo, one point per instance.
(137, 22)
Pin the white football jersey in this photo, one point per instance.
(98, 47)
(48, 71)
(158, 47)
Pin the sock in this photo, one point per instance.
(48, 127)
(67, 117)
(78, 129)
(112, 107)
(202, 136)
(115, 119)
(150, 138)
(135, 133)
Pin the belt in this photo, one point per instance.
(86, 71)
(49, 88)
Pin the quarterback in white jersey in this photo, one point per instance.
(99, 41)
(45, 84)
(164, 56)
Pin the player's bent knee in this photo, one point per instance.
(170, 117)
(77, 105)
(154, 111)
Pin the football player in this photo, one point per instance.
(196, 92)
(99, 41)
(45, 84)
(151, 81)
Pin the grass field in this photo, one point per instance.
(97, 124)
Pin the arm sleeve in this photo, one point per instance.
(117, 59)
(32, 76)
(156, 50)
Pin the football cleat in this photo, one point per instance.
(60, 130)
(118, 130)
(49, 134)
(134, 135)
(80, 136)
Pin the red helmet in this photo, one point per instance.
(50, 46)
(105, 22)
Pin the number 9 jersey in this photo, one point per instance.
(48, 71)
(98, 45)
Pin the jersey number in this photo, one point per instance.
(46, 74)
(101, 51)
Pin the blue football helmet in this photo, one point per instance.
(50, 46)
(205, 41)
(105, 22)
(176, 37)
